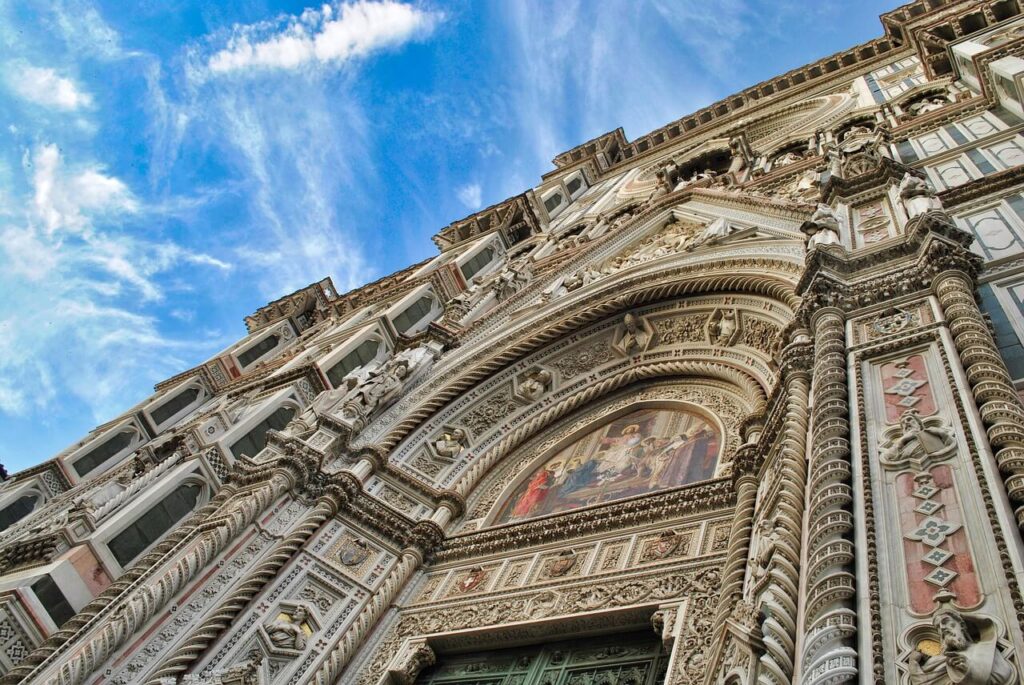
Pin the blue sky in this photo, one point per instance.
(168, 166)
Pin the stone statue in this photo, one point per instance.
(287, 631)
(717, 230)
(927, 105)
(634, 336)
(764, 549)
(970, 652)
(917, 442)
(373, 390)
(857, 130)
(535, 384)
(822, 228)
(512, 278)
(738, 162)
(918, 196)
(723, 327)
(787, 159)
(451, 443)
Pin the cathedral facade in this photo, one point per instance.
(735, 402)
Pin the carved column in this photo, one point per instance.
(137, 570)
(734, 570)
(221, 618)
(998, 403)
(830, 616)
(371, 612)
(779, 602)
(149, 596)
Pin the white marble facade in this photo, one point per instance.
(746, 385)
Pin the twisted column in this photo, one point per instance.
(997, 401)
(146, 598)
(830, 618)
(735, 569)
(254, 582)
(371, 612)
(779, 602)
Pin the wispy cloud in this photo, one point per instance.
(335, 34)
(73, 282)
(470, 195)
(44, 86)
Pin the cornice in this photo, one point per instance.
(705, 497)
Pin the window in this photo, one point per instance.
(412, 314)
(256, 439)
(104, 452)
(174, 405)
(553, 201)
(574, 184)
(477, 262)
(258, 350)
(365, 352)
(154, 524)
(53, 600)
(1006, 337)
(17, 510)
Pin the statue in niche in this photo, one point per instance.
(723, 327)
(534, 384)
(289, 631)
(822, 228)
(451, 443)
(764, 548)
(512, 278)
(929, 104)
(856, 130)
(788, 158)
(917, 441)
(372, 390)
(968, 651)
(918, 196)
(634, 335)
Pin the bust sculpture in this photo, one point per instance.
(287, 631)
(969, 653)
(822, 228)
(918, 196)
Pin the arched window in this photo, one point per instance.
(256, 439)
(364, 353)
(154, 524)
(412, 314)
(258, 350)
(553, 201)
(17, 510)
(477, 262)
(100, 454)
(174, 405)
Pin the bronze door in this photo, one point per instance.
(617, 660)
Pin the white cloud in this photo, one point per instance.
(43, 86)
(72, 280)
(68, 201)
(330, 34)
(469, 195)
